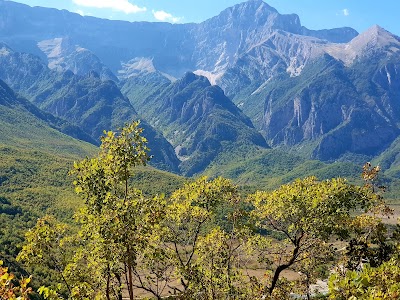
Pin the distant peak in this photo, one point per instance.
(376, 29)
(247, 11)
(255, 5)
(256, 14)
(375, 36)
(368, 43)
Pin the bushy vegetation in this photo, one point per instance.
(206, 240)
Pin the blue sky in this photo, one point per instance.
(314, 14)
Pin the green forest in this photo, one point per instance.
(204, 238)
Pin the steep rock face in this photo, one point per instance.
(63, 55)
(311, 111)
(210, 47)
(255, 32)
(200, 121)
(347, 109)
(280, 53)
(22, 70)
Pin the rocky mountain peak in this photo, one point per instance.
(367, 44)
(374, 37)
(64, 54)
(256, 13)
(254, 6)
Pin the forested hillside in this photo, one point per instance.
(243, 157)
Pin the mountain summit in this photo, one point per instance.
(332, 92)
(212, 46)
(374, 41)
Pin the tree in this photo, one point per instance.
(8, 291)
(382, 282)
(117, 219)
(204, 257)
(182, 245)
(306, 214)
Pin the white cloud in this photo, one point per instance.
(164, 16)
(82, 13)
(346, 12)
(119, 5)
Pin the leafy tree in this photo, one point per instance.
(219, 266)
(194, 251)
(371, 259)
(190, 214)
(382, 282)
(8, 291)
(370, 243)
(307, 214)
(127, 241)
(117, 220)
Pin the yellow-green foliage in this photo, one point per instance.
(8, 291)
(307, 214)
(154, 246)
(378, 283)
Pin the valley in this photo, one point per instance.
(250, 95)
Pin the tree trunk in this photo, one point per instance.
(283, 267)
(108, 283)
(130, 276)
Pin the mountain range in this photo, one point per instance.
(242, 82)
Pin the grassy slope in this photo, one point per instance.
(34, 163)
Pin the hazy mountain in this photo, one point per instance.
(86, 101)
(331, 93)
(210, 46)
(63, 55)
